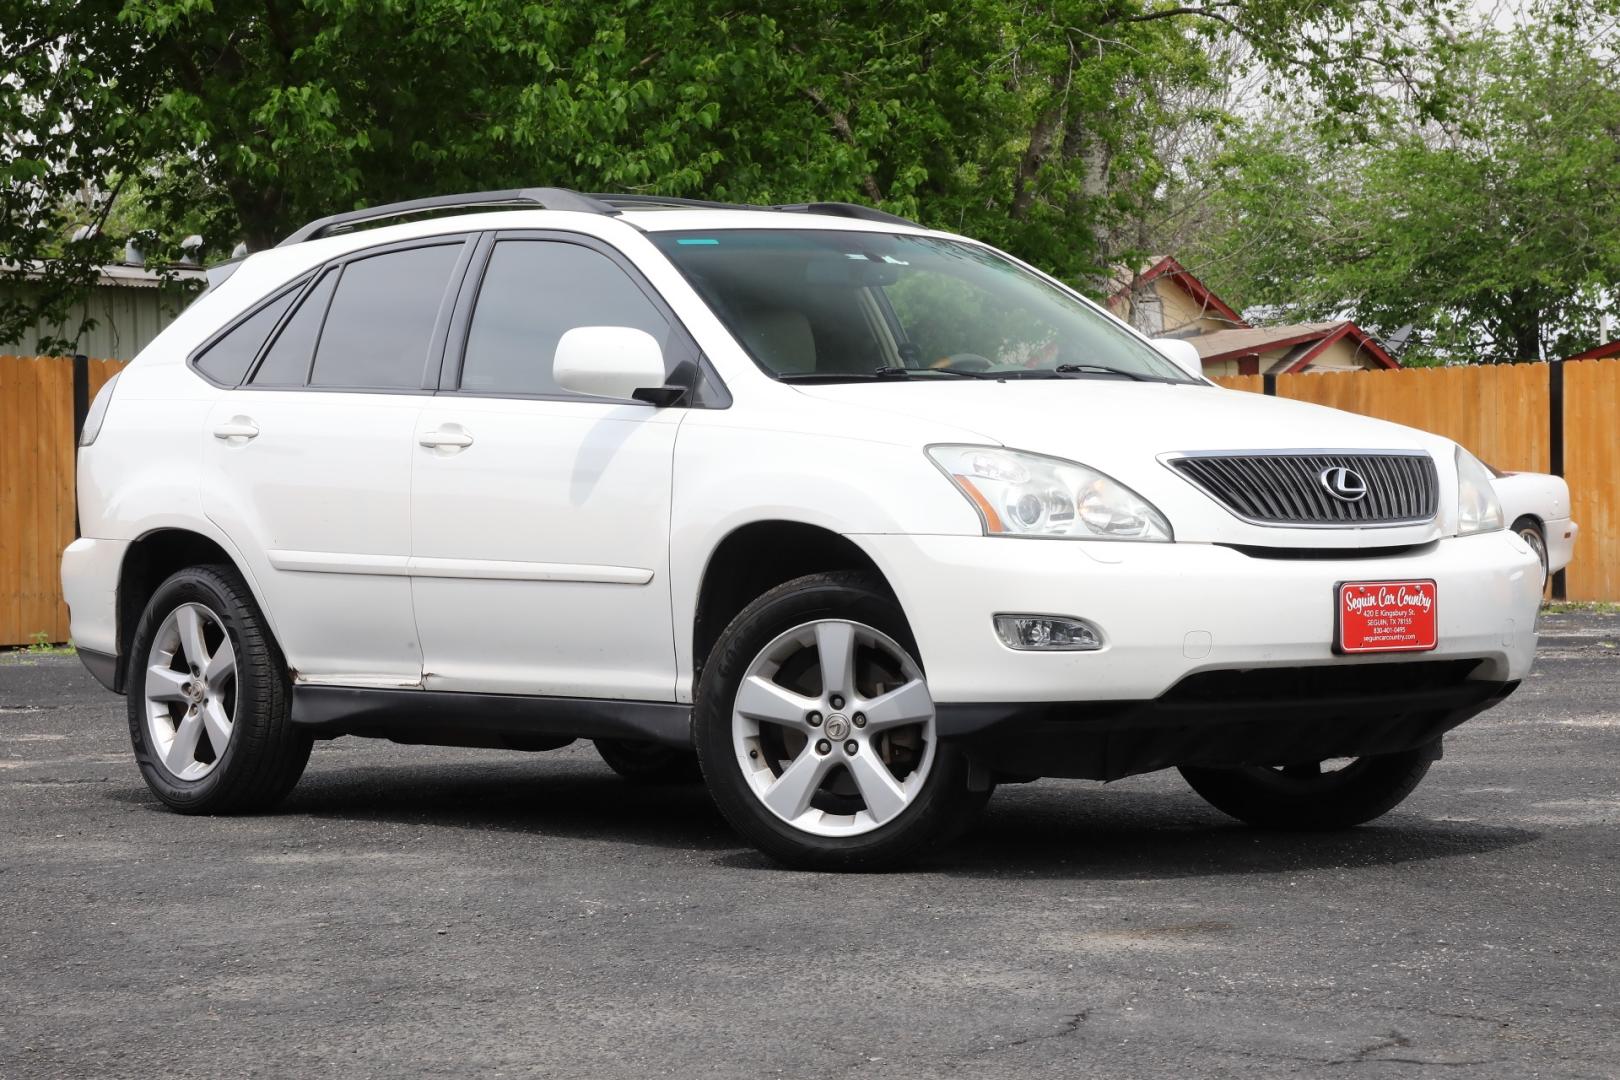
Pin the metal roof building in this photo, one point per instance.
(129, 306)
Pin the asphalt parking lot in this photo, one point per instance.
(417, 911)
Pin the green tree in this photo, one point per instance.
(1027, 123)
(1493, 234)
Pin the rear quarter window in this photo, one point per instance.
(286, 363)
(227, 360)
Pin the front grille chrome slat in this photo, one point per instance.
(1288, 488)
(1256, 495)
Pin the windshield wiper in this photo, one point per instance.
(1104, 369)
(872, 376)
(906, 372)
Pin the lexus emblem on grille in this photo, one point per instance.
(1344, 484)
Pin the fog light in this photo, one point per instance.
(1047, 633)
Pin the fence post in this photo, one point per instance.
(81, 394)
(81, 409)
(1555, 443)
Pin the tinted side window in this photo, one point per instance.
(287, 362)
(227, 359)
(380, 324)
(533, 292)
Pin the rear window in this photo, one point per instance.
(381, 321)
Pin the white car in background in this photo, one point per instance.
(1536, 505)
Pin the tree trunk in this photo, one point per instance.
(1040, 144)
(260, 214)
(1521, 324)
(1092, 152)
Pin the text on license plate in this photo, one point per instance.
(1385, 616)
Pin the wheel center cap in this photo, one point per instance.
(837, 726)
(193, 691)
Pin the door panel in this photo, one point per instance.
(314, 485)
(540, 519)
(540, 548)
(319, 502)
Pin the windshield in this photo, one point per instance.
(848, 306)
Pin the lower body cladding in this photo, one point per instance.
(499, 721)
(1275, 716)
(1217, 718)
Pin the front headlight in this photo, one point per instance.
(1020, 494)
(1478, 508)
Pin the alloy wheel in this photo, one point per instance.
(833, 728)
(190, 692)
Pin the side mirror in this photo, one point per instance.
(608, 361)
(1182, 353)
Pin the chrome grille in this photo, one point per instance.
(1287, 488)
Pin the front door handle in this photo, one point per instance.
(237, 427)
(445, 438)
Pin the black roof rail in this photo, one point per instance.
(849, 210)
(671, 202)
(546, 198)
(552, 198)
(831, 209)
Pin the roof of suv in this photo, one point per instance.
(670, 220)
(649, 212)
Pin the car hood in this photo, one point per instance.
(1122, 428)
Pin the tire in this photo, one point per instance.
(1305, 798)
(649, 763)
(1531, 533)
(844, 815)
(243, 698)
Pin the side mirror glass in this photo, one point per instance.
(608, 361)
(1182, 353)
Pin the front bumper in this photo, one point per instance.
(1168, 611)
(1211, 656)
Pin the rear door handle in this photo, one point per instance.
(237, 427)
(444, 438)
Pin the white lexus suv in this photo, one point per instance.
(859, 518)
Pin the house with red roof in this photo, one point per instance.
(1165, 299)
(1609, 351)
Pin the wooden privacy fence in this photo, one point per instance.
(1560, 417)
(1537, 417)
(41, 402)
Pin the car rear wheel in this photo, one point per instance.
(209, 698)
(1332, 794)
(815, 730)
(1530, 532)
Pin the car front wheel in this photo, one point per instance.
(815, 730)
(209, 698)
(1332, 794)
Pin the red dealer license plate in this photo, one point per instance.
(1385, 616)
